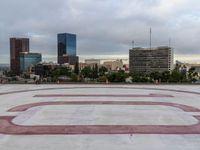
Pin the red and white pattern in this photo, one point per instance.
(8, 127)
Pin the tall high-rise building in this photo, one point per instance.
(147, 60)
(67, 48)
(17, 45)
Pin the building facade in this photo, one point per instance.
(29, 59)
(114, 65)
(93, 61)
(44, 69)
(147, 60)
(67, 48)
(17, 45)
(185, 67)
(71, 60)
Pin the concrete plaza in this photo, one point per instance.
(99, 117)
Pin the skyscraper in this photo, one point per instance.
(17, 45)
(67, 48)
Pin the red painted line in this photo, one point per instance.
(28, 106)
(8, 127)
(102, 95)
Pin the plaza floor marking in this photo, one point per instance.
(8, 127)
(103, 95)
(133, 88)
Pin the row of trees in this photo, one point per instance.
(103, 75)
(176, 76)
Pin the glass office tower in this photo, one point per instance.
(28, 59)
(66, 44)
(67, 48)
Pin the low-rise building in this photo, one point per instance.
(82, 65)
(114, 65)
(93, 61)
(186, 66)
(91, 65)
(43, 69)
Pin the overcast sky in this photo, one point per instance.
(103, 27)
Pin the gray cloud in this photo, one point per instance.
(102, 26)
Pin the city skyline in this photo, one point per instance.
(194, 59)
(103, 27)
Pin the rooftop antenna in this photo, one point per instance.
(133, 42)
(150, 38)
(169, 42)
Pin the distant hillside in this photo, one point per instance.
(4, 66)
